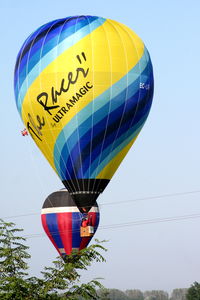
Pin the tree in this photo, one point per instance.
(13, 266)
(103, 294)
(193, 292)
(155, 295)
(62, 276)
(114, 294)
(134, 294)
(178, 294)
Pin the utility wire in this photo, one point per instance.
(128, 224)
(153, 197)
(118, 202)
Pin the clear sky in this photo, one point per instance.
(164, 160)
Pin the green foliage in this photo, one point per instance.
(62, 276)
(13, 265)
(65, 275)
(63, 280)
(193, 292)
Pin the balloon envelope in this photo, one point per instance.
(62, 220)
(84, 88)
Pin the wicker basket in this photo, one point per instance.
(87, 231)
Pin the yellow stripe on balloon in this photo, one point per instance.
(110, 54)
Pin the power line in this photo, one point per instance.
(119, 202)
(130, 224)
(154, 197)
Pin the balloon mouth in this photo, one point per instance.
(85, 191)
(84, 201)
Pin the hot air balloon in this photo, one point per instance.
(63, 223)
(84, 88)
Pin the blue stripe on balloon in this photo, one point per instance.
(79, 164)
(99, 108)
(35, 40)
(97, 221)
(110, 106)
(37, 35)
(84, 144)
(30, 41)
(41, 37)
(113, 136)
(47, 30)
(76, 223)
(51, 220)
(52, 27)
(110, 152)
(50, 41)
(50, 56)
(129, 127)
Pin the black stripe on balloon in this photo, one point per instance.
(86, 185)
(59, 199)
(85, 191)
(85, 202)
